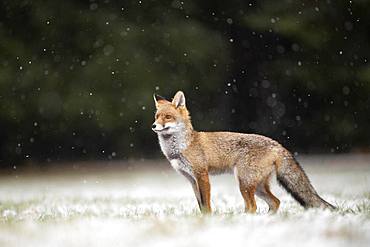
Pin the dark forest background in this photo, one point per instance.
(77, 77)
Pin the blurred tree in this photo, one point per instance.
(77, 77)
(315, 66)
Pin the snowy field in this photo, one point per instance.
(109, 205)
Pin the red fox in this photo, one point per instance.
(252, 158)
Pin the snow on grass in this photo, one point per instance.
(156, 207)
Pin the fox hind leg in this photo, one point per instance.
(264, 192)
(247, 192)
(248, 196)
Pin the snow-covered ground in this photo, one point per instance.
(153, 206)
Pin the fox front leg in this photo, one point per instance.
(195, 187)
(197, 193)
(204, 191)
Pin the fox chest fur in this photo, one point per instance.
(172, 147)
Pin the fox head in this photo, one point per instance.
(171, 116)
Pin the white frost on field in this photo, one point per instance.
(156, 207)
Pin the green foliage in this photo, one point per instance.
(77, 77)
(321, 56)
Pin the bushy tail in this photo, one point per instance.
(293, 178)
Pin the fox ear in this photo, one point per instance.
(179, 99)
(158, 98)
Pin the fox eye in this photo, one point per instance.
(168, 117)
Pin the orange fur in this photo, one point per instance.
(252, 158)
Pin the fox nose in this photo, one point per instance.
(153, 126)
